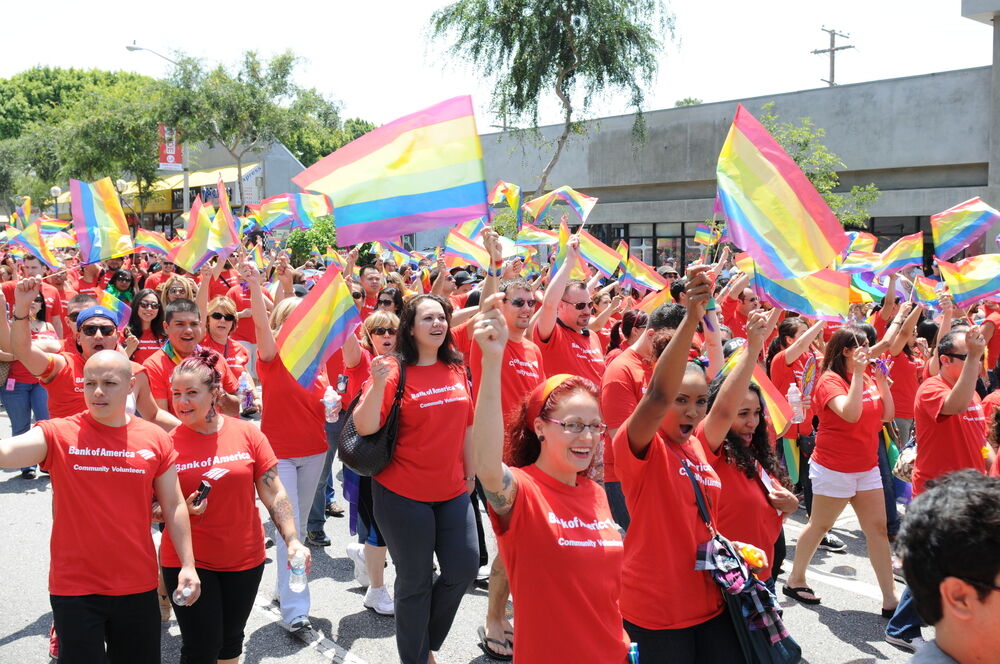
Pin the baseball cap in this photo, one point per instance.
(96, 312)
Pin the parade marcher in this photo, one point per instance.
(146, 325)
(32, 267)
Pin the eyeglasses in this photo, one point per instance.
(219, 316)
(957, 356)
(578, 427)
(149, 305)
(177, 291)
(580, 306)
(979, 584)
(379, 331)
(386, 303)
(520, 302)
(92, 330)
(356, 295)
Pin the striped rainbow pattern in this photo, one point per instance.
(644, 275)
(225, 235)
(864, 288)
(460, 251)
(598, 254)
(823, 295)
(194, 252)
(707, 235)
(959, 226)
(774, 213)
(860, 241)
(275, 212)
(579, 270)
(472, 228)
(907, 251)
(152, 241)
(421, 171)
(512, 194)
(257, 256)
(972, 279)
(581, 203)
(317, 327)
(50, 225)
(925, 291)
(99, 221)
(530, 235)
(655, 299)
(860, 261)
(122, 310)
(779, 412)
(31, 240)
(307, 208)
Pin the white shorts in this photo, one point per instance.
(834, 484)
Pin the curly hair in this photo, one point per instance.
(744, 457)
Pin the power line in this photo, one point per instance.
(832, 51)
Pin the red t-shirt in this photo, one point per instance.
(149, 343)
(236, 355)
(905, 374)
(946, 442)
(847, 447)
(521, 371)
(154, 280)
(661, 589)
(461, 335)
(18, 371)
(356, 376)
(102, 488)
(245, 330)
(612, 354)
(229, 536)
(371, 303)
(783, 375)
(159, 369)
(745, 515)
(733, 319)
(993, 347)
(569, 352)
(66, 387)
(428, 466)
(221, 286)
(554, 526)
(990, 405)
(292, 417)
(51, 295)
(622, 387)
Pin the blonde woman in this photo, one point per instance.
(176, 288)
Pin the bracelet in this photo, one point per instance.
(491, 273)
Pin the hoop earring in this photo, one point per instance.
(210, 416)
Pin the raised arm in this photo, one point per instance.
(910, 315)
(801, 345)
(961, 393)
(545, 320)
(34, 359)
(493, 273)
(267, 349)
(598, 321)
(28, 449)
(204, 285)
(848, 406)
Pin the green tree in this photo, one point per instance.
(804, 144)
(687, 101)
(578, 49)
(321, 235)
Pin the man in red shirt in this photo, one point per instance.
(32, 267)
(990, 332)
(371, 281)
(106, 468)
(561, 326)
(167, 270)
(736, 307)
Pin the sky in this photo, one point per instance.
(376, 57)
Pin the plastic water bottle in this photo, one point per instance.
(794, 396)
(633, 653)
(245, 394)
(182, 595)
(297, 580)
(331, 404)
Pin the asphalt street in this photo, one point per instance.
(845, 629)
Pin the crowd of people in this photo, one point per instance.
(607, 442)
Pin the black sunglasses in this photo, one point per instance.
(580, 306)
(219, 316)
(149, 305)
(520, 302)
(92, 330)
(356, 295)
(386, 303)
(957, 356)
(379, 331)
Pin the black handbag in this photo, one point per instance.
(369, 455)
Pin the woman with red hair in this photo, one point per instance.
(552, 521)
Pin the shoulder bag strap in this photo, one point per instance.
(698, 495)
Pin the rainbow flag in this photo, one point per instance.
(959, 226)
(779, 412)
(122, 310)
(50, 225)
(225, 236)
(472, 228)
(460, 251)
(257, 256)
(317, 327)
(512, 194)
(333, 258)
(152, 241)
(637, 273)
(774, 213)
(530, 235)
(579, 270)
(707, 235)
(307, 208)
(194, 252)
(925, 291)
(22, 213)
(864, 288)
(31, 240)
(275, 212)
(581, 203)
(99, 221)
(604, 258)
(823, 295)
(972, 279)
(655, 299)
(860, 261)
(422, 171)
(905, 252)
(859, 241)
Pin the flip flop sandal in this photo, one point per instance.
(484, 642)
(796, 594)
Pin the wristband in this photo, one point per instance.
(491, 273)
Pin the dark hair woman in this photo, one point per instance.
(146, 324)
(421, 499)
(122, 285)
(625, 332)
(390, 299)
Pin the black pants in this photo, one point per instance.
(479, 497)
(712, 641)
(366, 514)
(96, 629)
(212, 628)
(414, 531)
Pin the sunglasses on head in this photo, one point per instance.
(379, 331)
(149, 305)
(520, 302)
(220, 316)
(386, 303)
(580, 306)
(92, 330)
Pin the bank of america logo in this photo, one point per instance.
(216, 473)
(146, 454)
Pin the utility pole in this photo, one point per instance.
(832, 51)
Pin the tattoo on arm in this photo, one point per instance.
(502, 501)
(269, 476)
(283, 515)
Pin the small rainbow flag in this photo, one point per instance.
(419, 172)
(275, 212)
(598, 254)
(50, 225)
(959, 226)
(707, 235)
(860, 261)
(579, 270)
(860, 241)
(925, 291)
(581, 203)
(779, 412)
(99, 221)
(225, 236)
(864, 288)
(774, 213)
(531, 235)
(31, 240)
(907, 251)
(460, 251)
(257, 256)
(152, 241)
(472, 228)
(317, 327)
(512, 194)
(122, 310)
(333, 258)
(307, 208)
(823, 295)
(195, 251)
(972, 279)
(22, 213)
(644, 275)
(655, 299)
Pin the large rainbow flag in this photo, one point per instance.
(529, 235)
(959, 226)
(972, 279)
(31, 239)
(581, 203)
(317, 327)
(905, 252)
(860, 241)
(422, 171)
(99, 221)
(195, 251)
(460, 251)
(598, 254)
(224, 237)
(774, 213)
(152, 241)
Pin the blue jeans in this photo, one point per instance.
(23, 401)
(888, 489)
(324, 490)
(906, 622)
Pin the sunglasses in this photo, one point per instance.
(92, 330)
(177, 291)
(149, 305)
(957, 356)
(219, 316)
(520, 302)
(379, 331)
(123, 278)
(580, 306)
(386, 303)
(356, 295)
(39, 300)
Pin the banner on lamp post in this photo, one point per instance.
(171, 151)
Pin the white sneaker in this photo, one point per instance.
(356, 552)
(484, 573)
(379, 601)
(912, 645)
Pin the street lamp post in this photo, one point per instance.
(55, 193)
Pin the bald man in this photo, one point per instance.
(107, 467)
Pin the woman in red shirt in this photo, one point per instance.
(844, 467)
(907, 366)
(146, 325)
(234, 458)
(625, 332)
(421, 499)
